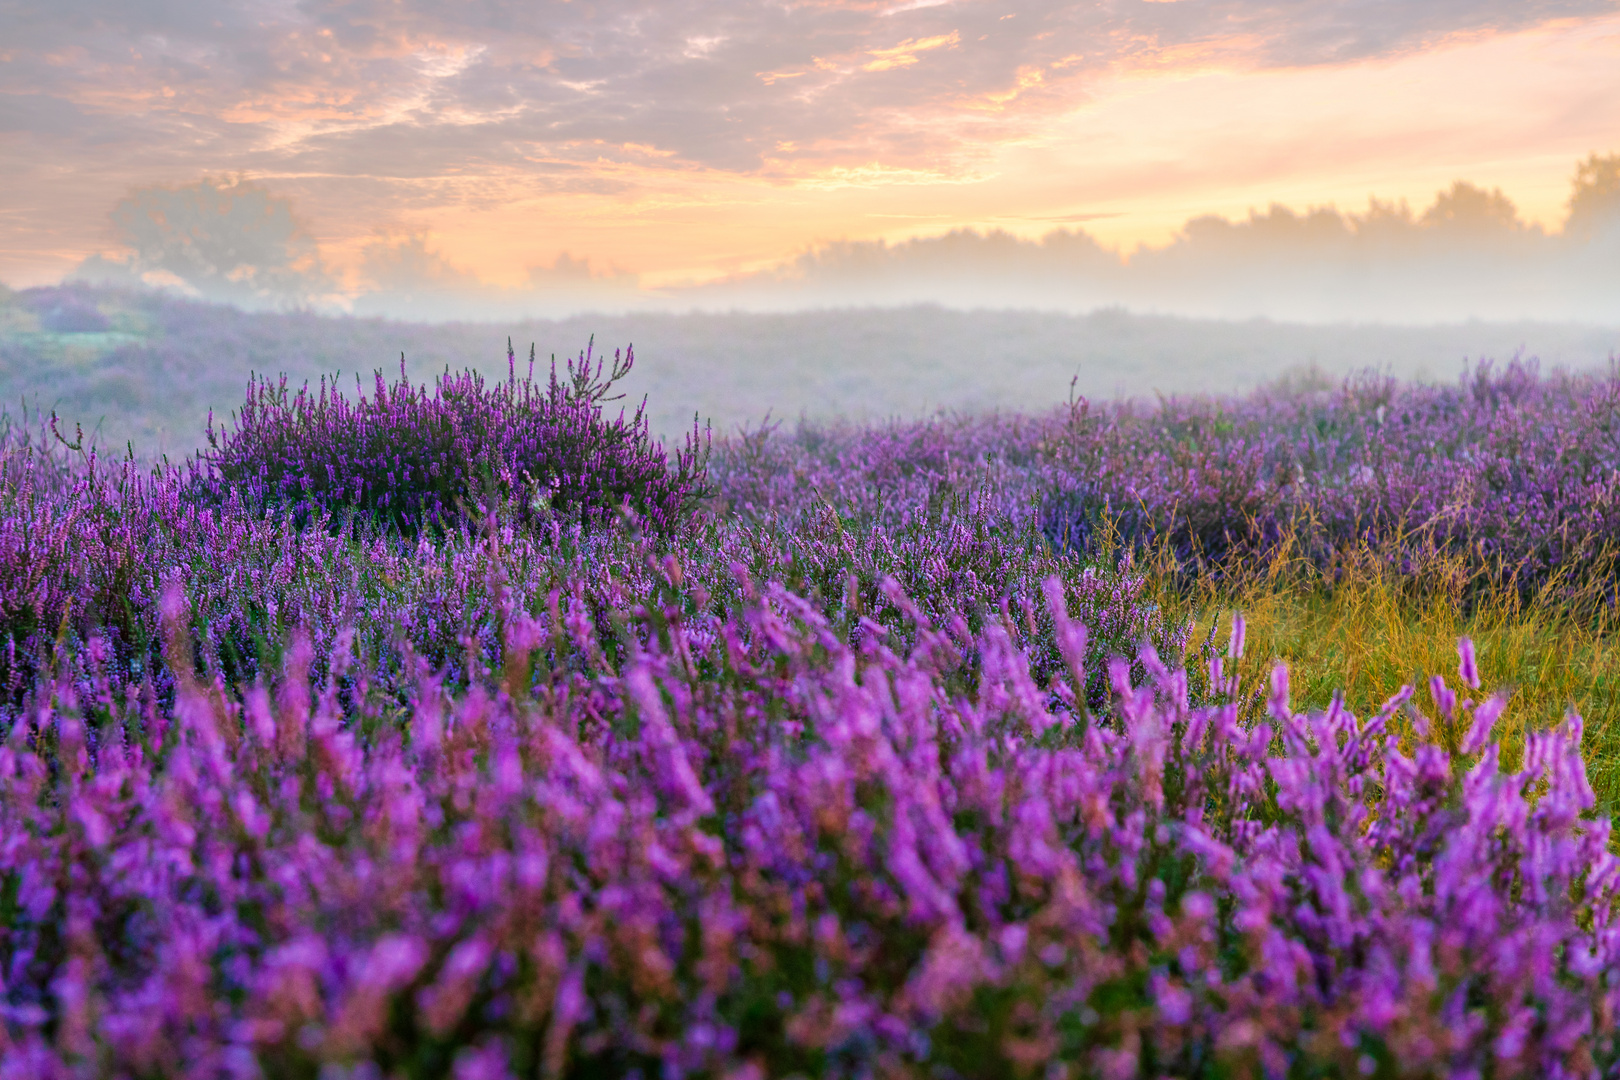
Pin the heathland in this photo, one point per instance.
(146, 368)
(459, 725)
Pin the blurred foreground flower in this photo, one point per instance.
(751, 848)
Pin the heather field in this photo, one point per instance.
(462, 728)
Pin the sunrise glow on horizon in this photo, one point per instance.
(685, 143)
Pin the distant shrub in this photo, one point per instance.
(408, 459)
(74, 319)
(68, 310)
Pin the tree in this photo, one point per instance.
(230, 239)
(1595, 203)
(1472, 211)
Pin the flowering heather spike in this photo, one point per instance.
(1445, 698)
(1485, 717)
(1279, 691)
(1467, 670)
(1071, 636)
(1234, 646)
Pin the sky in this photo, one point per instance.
(685, 145)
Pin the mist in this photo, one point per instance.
(1468, 255)
(145, 368)
(1456, 261)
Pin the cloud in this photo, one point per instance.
(39, 114)
(419, 88)
(400, 113)
(905, 53)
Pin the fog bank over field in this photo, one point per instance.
(146, 368)
(1319, 266)
(1468, 255)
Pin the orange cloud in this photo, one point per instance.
(1029, 77)
(905, 53)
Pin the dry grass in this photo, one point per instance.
(1361, 630)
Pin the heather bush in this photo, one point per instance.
(406, 458)
(1515, 471)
